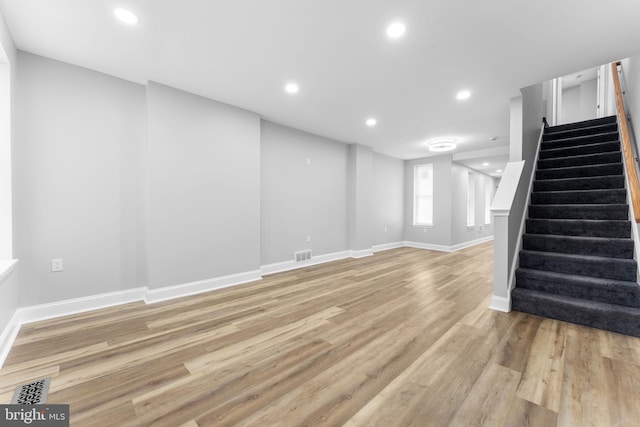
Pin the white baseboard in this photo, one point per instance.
(428, 246)
(361, 253)
(500, 304)
(470, 243)
(8, 336)
(444, 248)
(279, 267)
(387, 246)
(192, 288)
(52, 310)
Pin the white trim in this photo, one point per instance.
(279, 267)
(500, 304)
(428, 246)
(52, 310)
(470, 243)
(387, 246)
(6, 267)
(361, 253)
(8, 336)
(200, 286)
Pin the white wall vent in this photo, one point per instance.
(302, 255)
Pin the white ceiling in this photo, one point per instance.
(242, 52)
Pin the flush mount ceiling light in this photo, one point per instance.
(462, 95)
(371, 122)
(396, 30)
(292, 88)
(126, 16)
(485, 164)
(498, 170)
(442, 144)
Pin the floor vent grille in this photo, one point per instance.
(302, 255)
(34, 393)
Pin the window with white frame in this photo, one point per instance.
(471, 199)
(488, 197)
(423, 195)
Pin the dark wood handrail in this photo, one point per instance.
(632, 174)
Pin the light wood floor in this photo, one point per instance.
(400, 338)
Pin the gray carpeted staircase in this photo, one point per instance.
(577, 260)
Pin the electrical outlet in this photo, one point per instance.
(385, 229)
(56, 265)
(308, 238)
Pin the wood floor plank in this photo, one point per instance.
(542, 377)
(401, 338)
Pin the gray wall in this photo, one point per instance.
(631, 82)
(304, 192)
(9, 301)
(76, 134)
(203, 169)
(388, 199)
(360, 197)
(440, 233)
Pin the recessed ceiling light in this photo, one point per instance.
(462, 95)
(396, 30)
(291, 88)
(498, 170)
(485, 164)
(126, 16)
(493, 138)
(442, 144)
(579, 76)
(371, 121)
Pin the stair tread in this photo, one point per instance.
(595, 314)
(577, 257)
(583, 129)
(593, 135)
(594, 190)
(582, 238)
(568, 220)
(585, 303)
(579, 178)
(576, 147)
(607, 120)
(580, 156)
(585, 279)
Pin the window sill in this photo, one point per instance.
(422, 225)
(6, 266)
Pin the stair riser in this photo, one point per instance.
(592, 159)
(613, 268)
(582, 124)
(552, 136)
(610, 248)
(581, 172)
(583, 140)
(597, 183)
(567, 228)
(623, 324)
(579, 212)
(581, 150)
(583, 197)
(572, 288)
